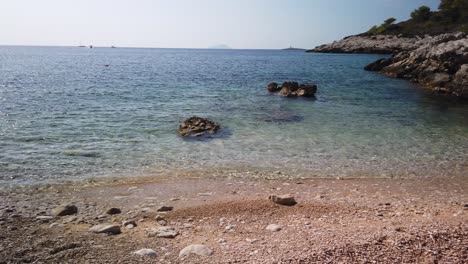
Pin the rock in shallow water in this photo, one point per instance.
(293, 89)
(67, 209)
(197, 249)
(197, 126)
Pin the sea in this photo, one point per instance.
(70, 113)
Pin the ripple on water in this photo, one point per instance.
(64, 116)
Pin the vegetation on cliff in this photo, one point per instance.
(452, 16)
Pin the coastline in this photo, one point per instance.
(340, 219)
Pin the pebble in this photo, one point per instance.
(274, 228)
(197, 249)
(163, 232)
(132, 189)
(44, 218)
(67, 209)
(53, 225)
(145, 252)
(70, 219)
(205, 194)
(159, 218)
(113, 211)
(165, 208)
(129, 224)
(106, 228)
(286, 199)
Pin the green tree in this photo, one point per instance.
(454, 9)
(421, 14)
(389, 21)
(384, 26)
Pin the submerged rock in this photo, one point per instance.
(197, 126)
(293, 89)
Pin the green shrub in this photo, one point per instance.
(421, 14)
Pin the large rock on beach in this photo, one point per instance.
(197, 126)
(66, 209)
(441, 65)
(293, 89)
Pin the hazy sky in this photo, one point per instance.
(194, 23)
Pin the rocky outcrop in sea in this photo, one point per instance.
(379, 44)
(441, 64)
(293, 89)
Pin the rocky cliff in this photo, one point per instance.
(439, 63)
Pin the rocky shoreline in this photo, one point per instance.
(439, 63)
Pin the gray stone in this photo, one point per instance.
(163, 232)
(67, 209)
(145, 252)
(197, 249)
(274, 228)
(106, 228)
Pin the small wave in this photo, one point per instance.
(88, 154)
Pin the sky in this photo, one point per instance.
(241, 24)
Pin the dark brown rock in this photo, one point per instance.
(273, 87)
(294, 89)
(197, 127)
(67, 209)
(113, 211)
(286, 199)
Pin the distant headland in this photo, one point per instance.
(220, 46)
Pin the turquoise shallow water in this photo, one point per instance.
(64, 115)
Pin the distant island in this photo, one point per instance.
(292, 48)
(220, 46)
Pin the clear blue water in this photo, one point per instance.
(64, 115)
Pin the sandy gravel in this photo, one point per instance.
(335, 221)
